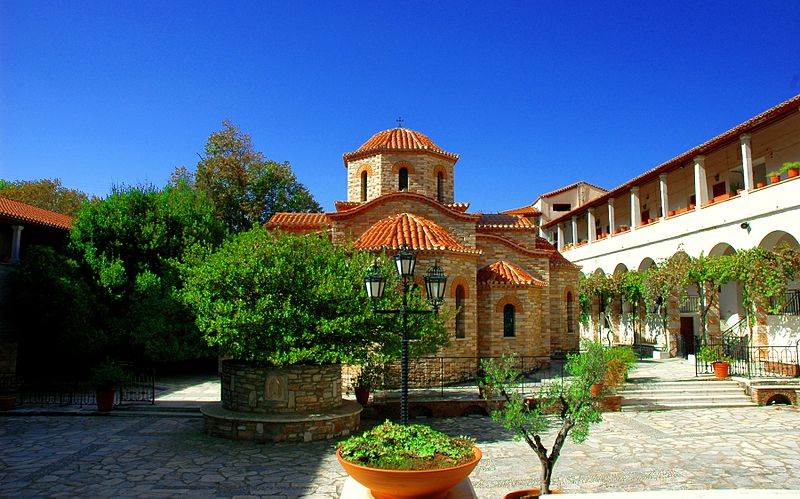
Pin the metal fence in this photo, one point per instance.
(435, 374)
(138, 388)
(690, 305)
(754, 361)
(791, 303)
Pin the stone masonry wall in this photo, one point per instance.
(293, 389)
(384, 176)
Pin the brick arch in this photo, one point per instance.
(364, 168)
(403, 164)
(505, 300)
(568, 290)
(459, 281)
(442, 169)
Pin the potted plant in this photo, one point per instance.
(774, 176)
(564, 404)
(791, 168)
(760, 184)
(369, 378)
(107, 378)
(623, 228)
(393, 460)
(8, 390)
(619, 361)
(715, 356)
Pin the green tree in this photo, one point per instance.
(45, 193)
(246, 188)
(131, 246)
(662, 281)
(283, 299)
(707, 274)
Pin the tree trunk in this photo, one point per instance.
(547, 475)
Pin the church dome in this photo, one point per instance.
(406, 228)
(397, 140)
(503, 272)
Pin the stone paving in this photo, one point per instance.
(163, 456)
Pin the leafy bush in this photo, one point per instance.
(392, 446)
(619, 361)
(715, 353)
(109, 375)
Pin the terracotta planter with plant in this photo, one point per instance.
(792, 169)
(759, 185)
(715, 356)
(414, 461)
(774, 177)
(107, 378)
(369, 378)
(564, 404)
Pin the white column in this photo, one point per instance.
(747, 163)
(539, 224)
(611, 223)
(574, 230)
(590, 231)
(700, 182)
(560, 236)
(636, 208)
(662, 184)
(16, 233)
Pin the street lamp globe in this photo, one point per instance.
(375, 282)
(435, 283)
(405, 260)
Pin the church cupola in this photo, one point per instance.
(399, 159)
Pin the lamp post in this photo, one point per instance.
(435, 282)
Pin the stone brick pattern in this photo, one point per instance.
(383, 177)
(294, 389)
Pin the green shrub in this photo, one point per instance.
(392, 446)
(109, 375)
(710, 354)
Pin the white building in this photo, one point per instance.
(714, 199)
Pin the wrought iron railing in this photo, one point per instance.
(138, 387)
(754, 361)
(690, 305)
(430, 376)
(791, 304)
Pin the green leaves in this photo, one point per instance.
(396, 447)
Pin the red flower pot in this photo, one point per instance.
(362, 395)
(721, 369)
(793, 172)
(105, 400)
(596, 389)
(7, 402)
(759, 185)
(774, 179)
(385, 484)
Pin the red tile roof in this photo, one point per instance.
(346, 205)
(406, 197)
(504, 221)
(397, 140)
(406, 228)
(526, 211)
(298, 221)
(503, 272)
(568, 187)
(26, 213)
(460, 207)
(774, 113)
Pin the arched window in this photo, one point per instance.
(570, 314)
(363, 186)
(402, 181)
(460, 327)
(440, 187)
(508, 321)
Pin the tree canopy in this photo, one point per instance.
(45, 193)
(245, 187)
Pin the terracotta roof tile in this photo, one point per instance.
(397, 139)
(526, 211)
(460, 207)
(294, 221)
(504, 221)
(503, 272)
(23, 212)
(414, 230)
(346, 205)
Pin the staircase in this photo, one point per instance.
(688, 394)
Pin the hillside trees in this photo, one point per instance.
(45, 193)
(245, 187)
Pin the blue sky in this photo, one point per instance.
(532, 95)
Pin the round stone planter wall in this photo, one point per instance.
(304, 389)
(292, 404)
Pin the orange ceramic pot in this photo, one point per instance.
(362, 395)
(775, 179)
(390, 484)
(721, 369)
(528, 493)
(105, 400)
(793, 172)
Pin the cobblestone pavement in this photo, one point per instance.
(165, 456)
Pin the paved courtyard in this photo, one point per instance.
(164, 456)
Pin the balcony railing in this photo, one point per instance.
(691, 305)
(791, 305)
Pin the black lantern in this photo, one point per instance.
(435, 283)
(405, 260)
(375, 282)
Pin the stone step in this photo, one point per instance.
(737, 397)
(684, 384)
(698, 392)
(668, 406)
